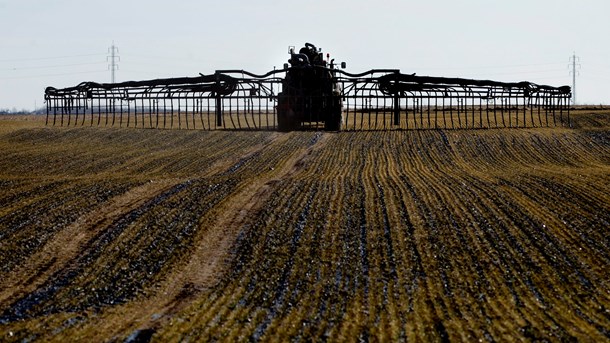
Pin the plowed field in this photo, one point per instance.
(116, 234)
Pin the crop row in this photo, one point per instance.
(406, 235)
(27, 222)
(137, 249)
(129, 153)
(423, 236)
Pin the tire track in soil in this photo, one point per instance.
(30, 304)
(270, 312)
(474, 192)
(67, 244)
(212, 255)
(56, 264)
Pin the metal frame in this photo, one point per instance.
(373, 100)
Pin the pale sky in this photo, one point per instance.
(61, 43)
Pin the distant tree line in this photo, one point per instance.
(5, 111)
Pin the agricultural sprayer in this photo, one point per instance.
(313, 92)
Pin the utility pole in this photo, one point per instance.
(574, 72)
(113, 50)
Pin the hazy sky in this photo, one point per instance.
(61, 43)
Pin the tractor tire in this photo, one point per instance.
(283, 123)
(285, 115)
(334, 121)
(287, 121)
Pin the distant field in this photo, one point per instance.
(422, 235)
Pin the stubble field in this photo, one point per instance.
(114, 234)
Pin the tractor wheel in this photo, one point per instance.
(287, 121)
(335, 120)
(287, 118)
(281, 119)
(333, 123)
(283, 114)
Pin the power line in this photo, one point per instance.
(113, 61)
(46, 58)
(573, 65)
(531, 72)
(489, 66)
(51, 66)
(46, 75)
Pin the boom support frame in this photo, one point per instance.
(379, 99)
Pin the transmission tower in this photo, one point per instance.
(113, 59)
(573, 70)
